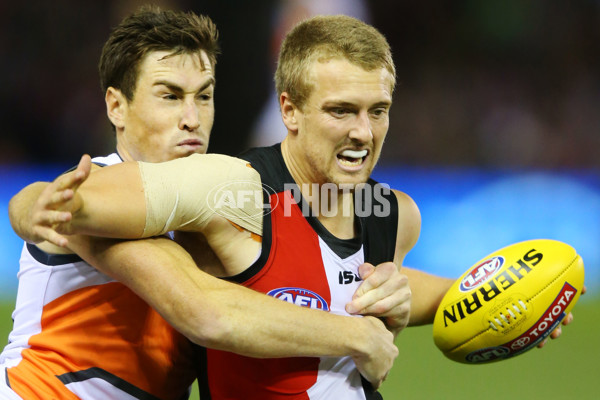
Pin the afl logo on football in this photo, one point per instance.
(300, 297)
(481, 273)
(488, 354)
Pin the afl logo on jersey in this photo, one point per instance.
(300, 297)
(481, 273)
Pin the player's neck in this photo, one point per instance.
(124, 153)
(340, 225)
(333, 207)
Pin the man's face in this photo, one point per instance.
(343, 124)
(172, 111)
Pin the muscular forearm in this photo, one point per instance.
(219, 314)
(133, 200)
(256, 325)
(19, 209)
(427, 293)
(110, 203)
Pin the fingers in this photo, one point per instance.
(51, 199)
(47, 218)
(50, 235)
(57, 193)
(48, 223)
(73, 179)
(554, 335)
(383, 289)
(64, 186)
(374, 277)
(382, 303)
(376, 363)
(84, 166)
(558, 331)
(50, 214)
(365, 270)
(45, 212)
(60, 192)
(568, 319)
(385, 293)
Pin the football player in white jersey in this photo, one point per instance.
(161, 105)
(336, 111)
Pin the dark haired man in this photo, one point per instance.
(86, 333)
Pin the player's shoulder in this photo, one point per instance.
(409, 222)
(407, 207)
(214, 159)
(260, 155)
(269, 163)
(220, 165)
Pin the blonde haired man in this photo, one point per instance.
(86, 333)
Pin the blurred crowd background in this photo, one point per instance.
(498, 83)
(494, 131)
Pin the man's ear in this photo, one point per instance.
(289, 112)
(116, 105)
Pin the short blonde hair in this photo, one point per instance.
(323, 38)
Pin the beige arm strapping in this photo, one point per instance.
(185, 193)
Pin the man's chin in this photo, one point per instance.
(189, 150)
(349, 183)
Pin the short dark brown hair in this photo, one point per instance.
(151, 29)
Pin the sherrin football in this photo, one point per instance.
(508, 302)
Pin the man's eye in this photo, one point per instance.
(378, 112)
(339, 112)
(169, 96)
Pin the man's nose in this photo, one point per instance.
(362, 130)
(190, 117)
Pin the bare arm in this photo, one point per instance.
(19, 209)
(35, 210)
(427, 290)
(386, 291)
(135, 199)
(207, 310)
(226, 316)
(427, 293)
(379, 294)
(215, 313)
(109, 203)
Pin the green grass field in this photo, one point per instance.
(564, 369)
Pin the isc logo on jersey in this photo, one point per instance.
(300, 297)
(480, 274)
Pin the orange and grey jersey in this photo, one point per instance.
(77, 333)
(302, 263)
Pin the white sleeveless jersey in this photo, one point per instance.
(78, 334)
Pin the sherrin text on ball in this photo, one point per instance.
(509, 301)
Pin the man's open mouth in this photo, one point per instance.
(352, 158)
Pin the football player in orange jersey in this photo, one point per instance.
(336, 129)
(79, 331)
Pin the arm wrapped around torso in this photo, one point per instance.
(184, 194)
